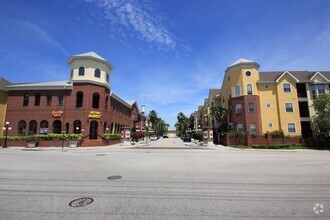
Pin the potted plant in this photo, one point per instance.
(31, 141)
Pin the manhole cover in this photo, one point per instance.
(81, 202)
(115, 177)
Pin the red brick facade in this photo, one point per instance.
(89, 105)
(247, 116)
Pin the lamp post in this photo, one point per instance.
(6, 128)
(143, 111)
(63, 132)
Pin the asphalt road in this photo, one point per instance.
(167, 183)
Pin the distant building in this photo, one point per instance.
(82, 104)
(3, 102)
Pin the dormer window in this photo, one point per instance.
(97, 73)
(81, 71)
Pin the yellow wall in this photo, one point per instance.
(238, 77)
(282, 98)
(3, 106)
(268, 114)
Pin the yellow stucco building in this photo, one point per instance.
(3, 102)
(261, 102)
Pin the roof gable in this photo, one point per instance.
(288, 73)
(318, 75)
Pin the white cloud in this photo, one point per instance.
(40, 33)
(132, 15)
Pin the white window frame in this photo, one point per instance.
(255, 128)
(289, 87)
(238, 108)
(295, 128)
(249, 106)
(247, 90)
(239, 87)
(286, 107)
(266, 86)
(239, 127)
(270, 124)
(269, 105)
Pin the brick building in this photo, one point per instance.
(83, 104)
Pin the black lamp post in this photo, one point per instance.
(63, 132)
(6, 128)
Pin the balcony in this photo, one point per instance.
(303, 110)
(301, 92)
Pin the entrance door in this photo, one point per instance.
(93, 130)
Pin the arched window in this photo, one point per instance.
(67, 127)
(105, 127)
(96, 100)
(44, 127)
(21, 127)
(97, 73)
(32, 127)
(106, 103)
(237, 90)
(79, 99)
(81, 71)
(77, 127)
(57, 126)
(249, 89)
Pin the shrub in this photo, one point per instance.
(111, 136)
(273, 146)
(276, 134)
(234, 134)
(198, 135)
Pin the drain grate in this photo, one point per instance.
(81, 202)
(115, 177)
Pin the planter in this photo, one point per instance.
(73, 144)
(31, 144)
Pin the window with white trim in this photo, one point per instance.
(249, 89)
(270, 124)
(251, 107)
(238, 108)
(286, 87)
(253, 128)
(268, 105)
(266, 86)
(237, 90)
(291, 127)
(239, 127)
(289, 107)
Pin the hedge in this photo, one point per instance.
(111, 136)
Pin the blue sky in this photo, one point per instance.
(167, 54)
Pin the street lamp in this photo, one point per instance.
(63, 132)
(6, 128)
(143, 111)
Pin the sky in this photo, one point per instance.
(166, 54)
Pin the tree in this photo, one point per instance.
(182, 124)
(221, 115)
(153, 119)
(321, 121)
(158, 124)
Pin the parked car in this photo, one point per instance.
(186, 138)
(153, 138)
(165, 135)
